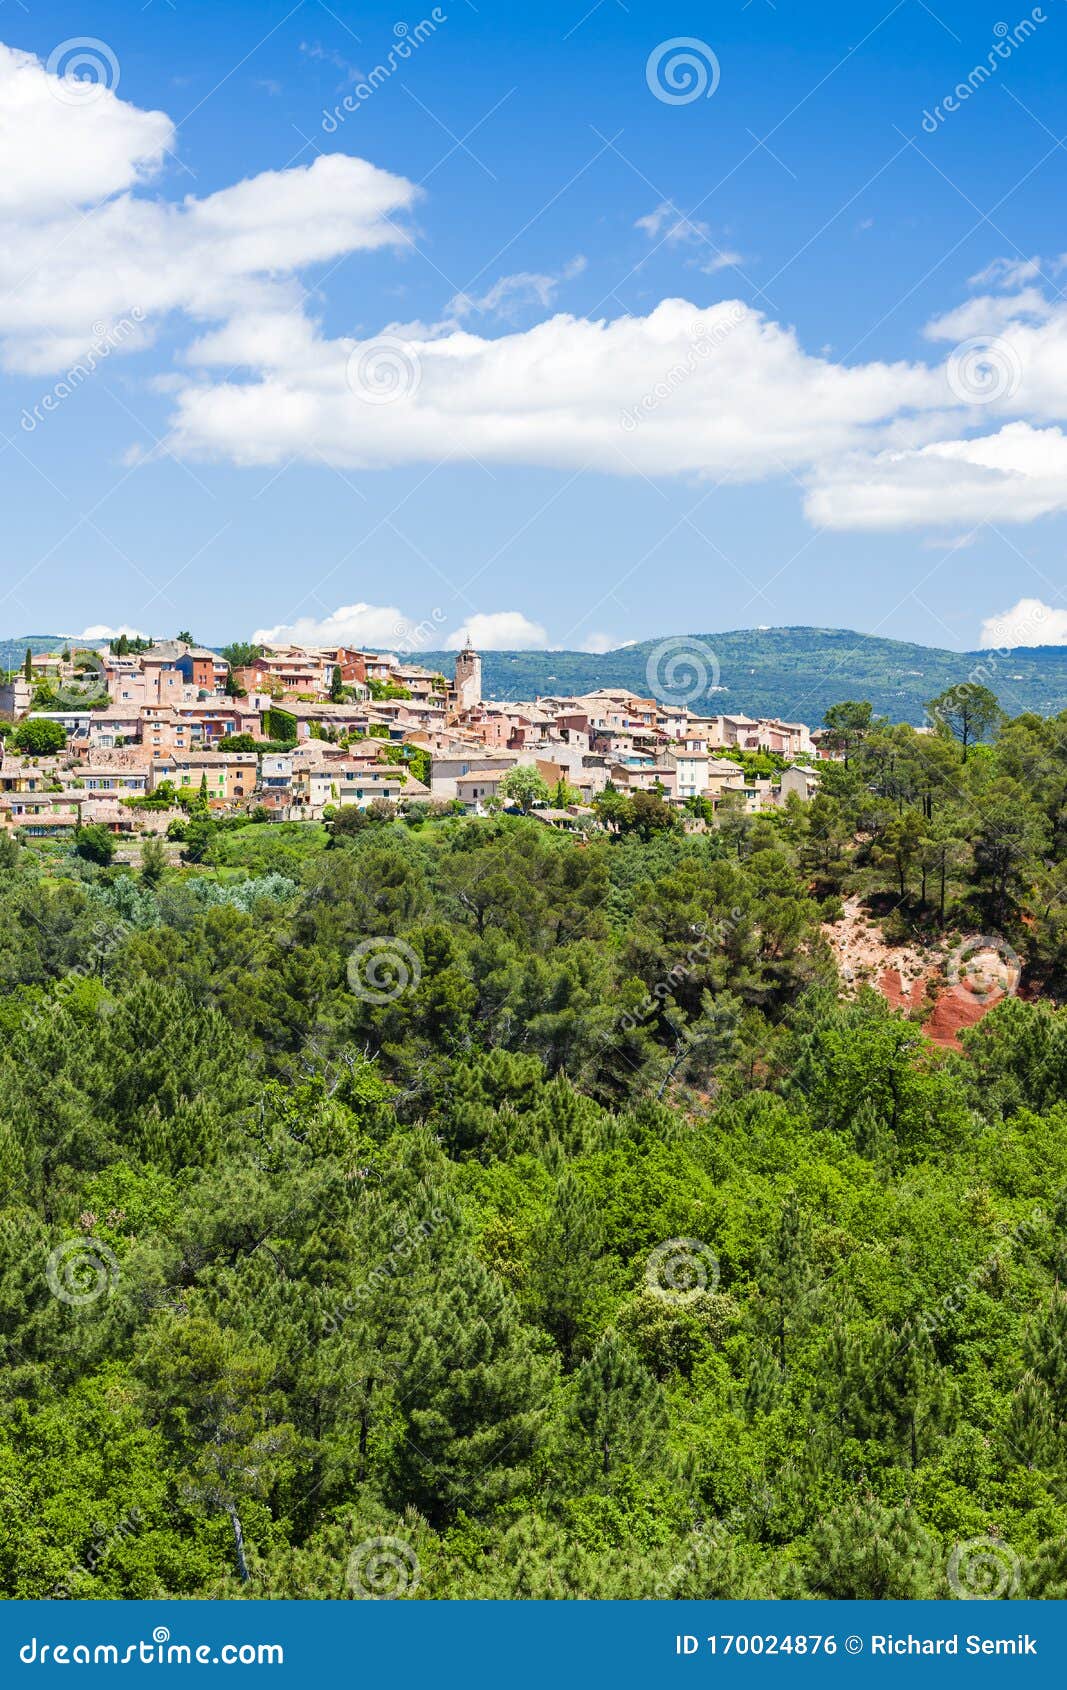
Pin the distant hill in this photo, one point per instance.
(13, 652)
(794, 673)
(790, 672)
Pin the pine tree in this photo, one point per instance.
(564, 1253)
(376, 1264)
(1044, 1578)
(905, 1398)
(617, 1411)
(1032, 1435)
(764, 1380)
(864, 1552)
(1046, 1353)
(153, 862)
(27, 666)
(473, 1384)
(874, 1137)
(712, 1567)
(787, 1282)
(216, 1401)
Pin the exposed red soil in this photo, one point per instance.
(955, 1011)
(910, 977)
(892, 988)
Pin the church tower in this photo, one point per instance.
(468, 684)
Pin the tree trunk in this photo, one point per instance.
(361, 1465)
(239, 1545)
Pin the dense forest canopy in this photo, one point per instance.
(454, 1209)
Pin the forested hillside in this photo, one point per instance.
(794, 673)
(448, 1208)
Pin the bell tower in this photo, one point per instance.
(468, 683)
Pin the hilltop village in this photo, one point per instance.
(130, 736)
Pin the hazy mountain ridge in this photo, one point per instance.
(794, 673)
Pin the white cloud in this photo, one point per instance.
(744, 401)
(718, 391)
(1013, 476)
(378, 626)
(1029, 622)
(385, 628)
(669, 226)
(1013, 272)
(597, 644)
(59, 149)
(100, 631)
(499, 630)
(989, 314)
(79, 250)
(957, 542)
(329, 56)
(722, 261)
(505, 296)
(675, 227)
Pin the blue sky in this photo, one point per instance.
(819, 455)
